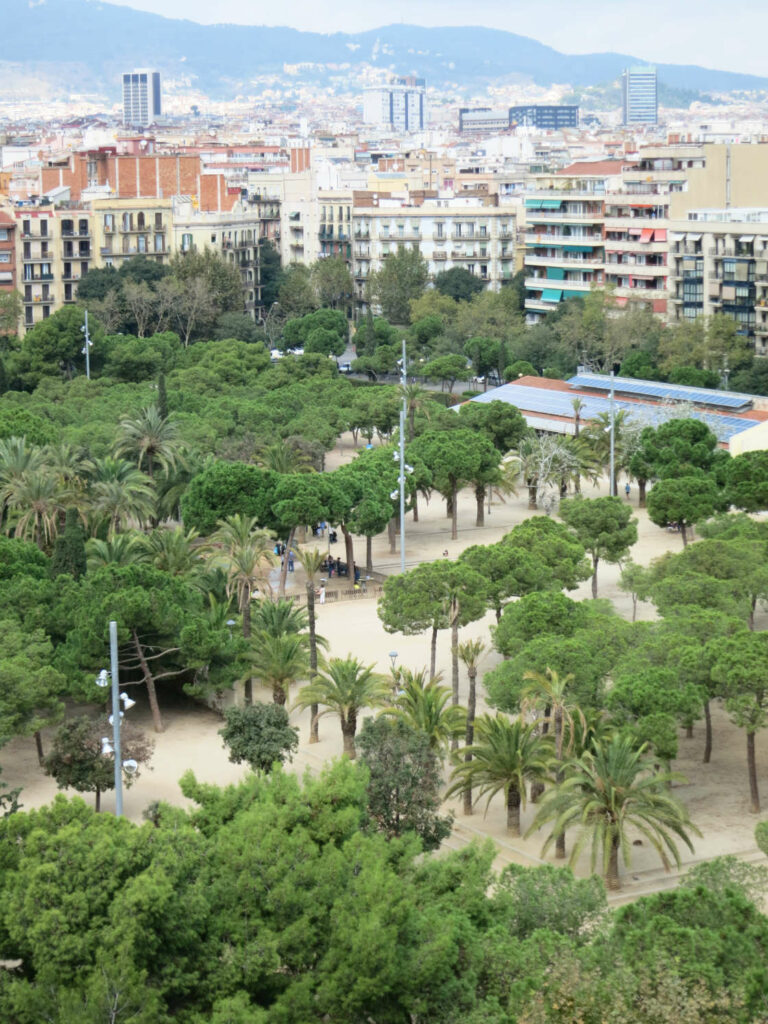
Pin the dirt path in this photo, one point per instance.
(715, 794)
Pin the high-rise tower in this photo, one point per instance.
(141, 97)
(639, 97)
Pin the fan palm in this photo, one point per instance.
(548, 692)
(120, 492)
(278, 617)
(417, 399)
(311, 562)
(150, 438)
(505, 755)
(175, 551)
(344, 689)
(426, 706)
(69, 465)
(16, 458)
(245, 553)
(35, 501)
(127, 548)
(470, 652)
(610, 793)
(278, 661)
(282, 457)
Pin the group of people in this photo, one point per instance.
(280, 550)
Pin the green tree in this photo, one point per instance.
(446, 369)
(31, 689)
(403, 781)
(245, 554)
(260, 735)
(683, 502)
(423, 704)
(739, 667)
(333, 282)
(77, 761)
(150, 439)
(507, 570)
(746, 478)
(52, 348)
(296, 295)
(402, 278)
(69, 550)
(502, 423)
(345, 689)
(555, 548)
(604, 526)
(458, 284)
(279, 661)
(609, 792)
(505, 756)
(236, 325)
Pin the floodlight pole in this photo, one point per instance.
(87, 346)
(116, 720)
(611, 485)
(403, 383)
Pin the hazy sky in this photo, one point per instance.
(713, 33)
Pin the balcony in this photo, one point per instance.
(439, 255)
(540, 283)
(563, 217)
(460, 255)
(552, 238)
(534, 259)
(42, 258)
(70, 277)
(76, 234)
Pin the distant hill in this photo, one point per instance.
(85, 44)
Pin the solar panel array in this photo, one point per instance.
(655, 389)
(546, 402)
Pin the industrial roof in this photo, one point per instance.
(662, 391)
(554, 404)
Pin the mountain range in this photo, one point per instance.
(84, 45)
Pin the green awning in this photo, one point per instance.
(533, 204)
(556, 273)
(579, 295)
(551, 295)
(551, 204)
(578, 248)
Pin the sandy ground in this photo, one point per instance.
(716, 794)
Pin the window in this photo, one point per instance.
(127, 222)
(5, 257)
(28, 275)
(26, 227)
(186, 243)
(27, 292)
(43, 228)
(109, 222)
(159, 223)
(3, 234)
(159, 243)
(46, 312)
(28, 317)
(213, 237)
(83, 227)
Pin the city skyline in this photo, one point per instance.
(694, 33)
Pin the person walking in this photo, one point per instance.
(322, 592)
(627, 489)
(290, 560)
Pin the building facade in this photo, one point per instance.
(401, 105)
(142, 100)
(639, 95)
(545, 117)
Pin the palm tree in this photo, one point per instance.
(282, 457)
(609, 793)
(278, 661)
(176, 551)
(505, 756)
(426, 706)
(470, 653)
(245, 553)
(150, 438)
(416, 400)
(69, 465)
(16, 458)
(311, 562)
(345, 688)
(127, 548)
(278, 618)
(36, 498)
(548, 692)
(120, 492)
(578, 405)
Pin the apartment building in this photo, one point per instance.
(55, 249)
(124, 228)
(7, 252)
(400, 105)
(456, 232)
(719, 264)
(629, 211)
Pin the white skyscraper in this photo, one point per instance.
(141, 97)
(639, 100)
(401, 105)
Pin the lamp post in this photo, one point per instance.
(87, 346)
(393, 659)
(104, 679)
(611, 485)
(403, 384)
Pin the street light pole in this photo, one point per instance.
(403, 383)
(612, 488)
(116, 719)
(87, 347)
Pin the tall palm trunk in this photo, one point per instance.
(314, 735)
(513, 810)
(595, 560)
(284, 567)
(454, 512)
(560, 841)
(469, 735)
(433, 652)
(480, 502)
(348, 730)
(454, 661)
(368, 553)
(97, 803)
(245, 611)
(612, 880)
(39, 746)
